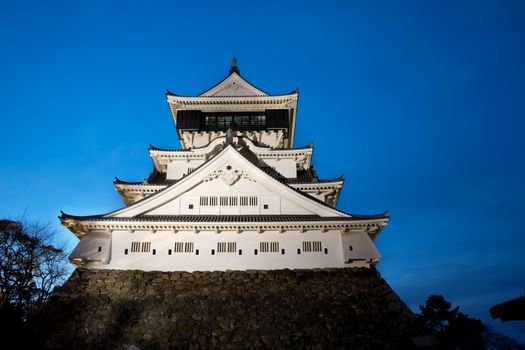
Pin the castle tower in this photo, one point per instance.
(237, 196)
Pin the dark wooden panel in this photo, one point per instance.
(189, 120)
(277, 118)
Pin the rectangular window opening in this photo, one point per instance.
(226, 247)
(196, 252)
(240, 251)
(312, 246)
(282, 251)
(99, 249)
(126, 251)
(146, 247)
(154, 252)
(135, 247)
(213, 252)
(255, 252)
(188, 247)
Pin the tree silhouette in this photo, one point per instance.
(454, 329)
(30, 266)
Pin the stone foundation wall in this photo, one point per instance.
(280, 309)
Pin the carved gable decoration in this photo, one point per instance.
(229, 175)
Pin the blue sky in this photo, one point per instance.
(419, 104)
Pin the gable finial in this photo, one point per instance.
(229, 135)
(234, 67)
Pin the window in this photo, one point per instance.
(298, 251)
(213, 252)
(206, 201)
(240, 120)
(190, 206)
(226, 247)
(255, 252)
(126, 251)
(240, 251)
(269, 247)
(282, 251)
(154, 252)
(146, 246)
(312, 246)
(196, 252)
(231, 201)
(326, 250)
(135, 247)
(265, 206)
(183, 247)
(248, 201)
(169, 251)
(99, 249)
(350, 248)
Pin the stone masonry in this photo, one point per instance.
(351, 308)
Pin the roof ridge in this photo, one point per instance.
(228, 218)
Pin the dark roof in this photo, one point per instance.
(512, 310)
(118, 181)
(155, 178)
(255, 142)
(303, 177)
(245, 153)
(227, 218)
(309, 176)
(153, 148)
(237, 70)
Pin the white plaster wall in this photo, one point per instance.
(200, 139)
(204, 241)
(362, 246)
(170, 208)
(88, 247)
(179, 168)
(268, 138)
(286, 167)
(243, 187)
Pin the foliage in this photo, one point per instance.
(494, 340)
(30, 266)
(456, 330)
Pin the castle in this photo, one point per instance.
(237, 196)
(232, 242)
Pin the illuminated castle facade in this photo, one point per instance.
(237, 195)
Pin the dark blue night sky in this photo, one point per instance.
(420, 104)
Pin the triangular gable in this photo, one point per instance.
(233, 86)
(229, 166)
